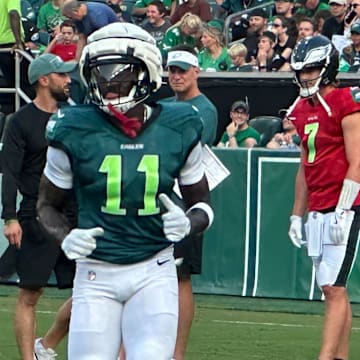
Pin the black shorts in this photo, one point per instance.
(190, 249)
(38, 256)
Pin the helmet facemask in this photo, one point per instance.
(119, 80)
(309, 87)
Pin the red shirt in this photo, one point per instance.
(66, 52)
(321, 135)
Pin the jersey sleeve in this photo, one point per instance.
(58, 169)
(349, 101)
(193, 170)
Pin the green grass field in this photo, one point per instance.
(225, 327)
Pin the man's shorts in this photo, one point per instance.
(190, 249)
(38, 256)
(334, 265)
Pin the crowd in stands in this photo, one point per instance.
(259, 37)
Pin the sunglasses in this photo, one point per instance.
(276, 25)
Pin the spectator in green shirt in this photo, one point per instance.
(310, 7)
(238, 133)
(50, 16)
(213, 56)
(185, 32)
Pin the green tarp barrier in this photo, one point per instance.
(247, 251)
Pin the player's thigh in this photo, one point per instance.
(150, 315)
(95, 324)
(336, 262)
(329, 265)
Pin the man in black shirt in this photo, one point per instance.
(335, 24)
(257, 25)
(24, 156)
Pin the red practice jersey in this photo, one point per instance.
(321, 136)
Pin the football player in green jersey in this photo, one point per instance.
(122, 156)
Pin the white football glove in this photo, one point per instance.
(340, 223)
(81, 242)
(176, 224)
(295, 231)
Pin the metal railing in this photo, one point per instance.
(238, 15)
(20, 55)
(17, 91)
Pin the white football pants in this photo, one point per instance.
(135, 304)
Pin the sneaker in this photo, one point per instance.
(41, 353)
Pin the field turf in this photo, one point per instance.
(225, 327)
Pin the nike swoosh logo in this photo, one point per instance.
(162, 262)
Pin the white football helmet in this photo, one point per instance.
(121, 66)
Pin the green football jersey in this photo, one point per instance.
(117, 179)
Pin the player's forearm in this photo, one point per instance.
(54, 222)
(197, 200)
(200, 220)
(49, 207)
(301, 194)
(353, 171)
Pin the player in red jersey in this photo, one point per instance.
(327, 184)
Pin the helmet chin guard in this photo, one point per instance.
(308, 91)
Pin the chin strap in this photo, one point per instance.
(321, 100)
(324, 104)
(130, 126)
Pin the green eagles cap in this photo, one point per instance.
(355, 29)
(46, 64)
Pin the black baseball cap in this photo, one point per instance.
(240, 105)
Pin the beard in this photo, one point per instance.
(60, 95)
